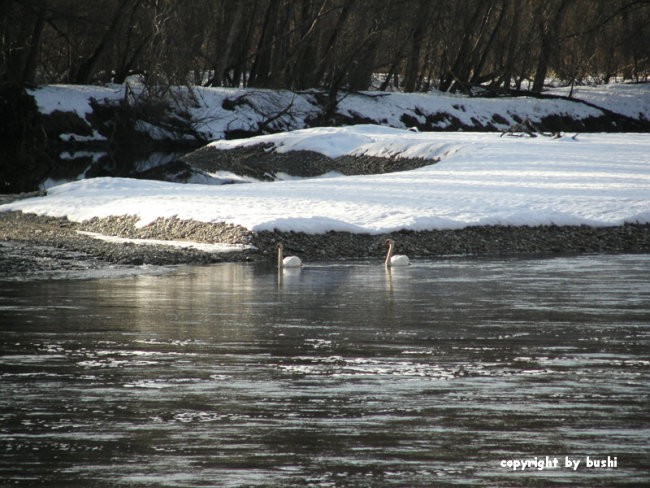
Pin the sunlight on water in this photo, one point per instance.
(339, 374)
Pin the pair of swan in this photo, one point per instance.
(391, 258)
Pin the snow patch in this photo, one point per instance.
(596, 180)
(199, 246)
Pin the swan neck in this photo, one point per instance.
(389, 254)
(279, 256)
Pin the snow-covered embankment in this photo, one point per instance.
(595, 180)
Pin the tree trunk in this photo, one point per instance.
(298, 74)
(459, 66)
(412, 70)
(261, 70)
(240, 59)
(29, 66)
(487, 47)
(22, 26)
(548, 31)
(224, 54)
(87, 68)
(324, 57)
(125, 64)
(513, 45)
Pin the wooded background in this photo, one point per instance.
(411, 45)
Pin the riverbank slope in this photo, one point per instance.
(469, 193)
(32, 245)
(68, 132)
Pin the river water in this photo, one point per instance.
(445, 373)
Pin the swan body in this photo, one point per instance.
(289, 261)
(395, 259)
(399, 260)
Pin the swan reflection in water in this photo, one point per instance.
(289, 264)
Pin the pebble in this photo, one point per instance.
(27, 241)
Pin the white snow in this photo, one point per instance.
(631, 99)
(204, 105)
(389, 109)
(360, 140)
(482, 179)
(73, 98)
(249, 109)
(200, 246)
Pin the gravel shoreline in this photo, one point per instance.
(34, 244)
(263, 162)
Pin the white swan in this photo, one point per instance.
(289, 261)
(397, 259)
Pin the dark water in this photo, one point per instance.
(441, 374)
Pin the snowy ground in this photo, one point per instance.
(200, 246)
(482, 179)
(628, 99)
(215, 112)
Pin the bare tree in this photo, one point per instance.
(88, 66)
(416, 36)
(327, 44)
(549, 19)
(21, 27)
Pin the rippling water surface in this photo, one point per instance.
(341, 374)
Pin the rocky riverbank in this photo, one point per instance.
(30, 243)
(262, 162)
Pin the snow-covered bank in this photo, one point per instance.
(482, 179)
(78, 132)
(629, 99)
(217, 113)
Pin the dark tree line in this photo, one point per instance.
(413, 45)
